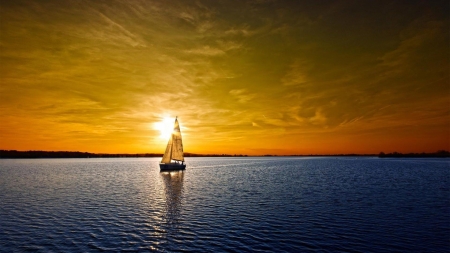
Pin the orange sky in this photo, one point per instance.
(244, 77)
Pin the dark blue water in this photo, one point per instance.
(226, 204)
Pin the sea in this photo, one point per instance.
(248, 204)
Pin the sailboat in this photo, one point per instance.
(173, 158)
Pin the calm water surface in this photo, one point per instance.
(226, 204)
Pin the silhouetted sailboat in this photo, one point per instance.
(173, 158)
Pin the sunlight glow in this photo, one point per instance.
(165, 127)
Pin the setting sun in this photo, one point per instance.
(165, 127)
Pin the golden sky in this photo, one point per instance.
(243, 77)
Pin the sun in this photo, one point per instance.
(165, 127)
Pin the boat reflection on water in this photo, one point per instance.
(173, 193)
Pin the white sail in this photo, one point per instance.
(174, 149)
(177, 143)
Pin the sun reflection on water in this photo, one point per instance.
(173, 193)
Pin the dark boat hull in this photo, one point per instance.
(171, 166)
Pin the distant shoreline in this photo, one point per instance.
(35, 154)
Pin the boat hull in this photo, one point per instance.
(171, 166)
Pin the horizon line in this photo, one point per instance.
(188, 154)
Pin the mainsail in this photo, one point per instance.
(174, 149)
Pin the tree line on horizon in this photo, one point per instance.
(12, 154)
(440, 153)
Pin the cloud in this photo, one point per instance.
(297, 74)
(318, 118)
(123, 34)
(255, 124)
(222, 48)
(413, 38)
(206, 50)
(242, 95)
(244, 31)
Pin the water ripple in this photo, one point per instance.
(225, 204)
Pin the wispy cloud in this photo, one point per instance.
(297, 74)
(206, 50)
(242, 95)
(123, 34)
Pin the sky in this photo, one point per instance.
(244, 77)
